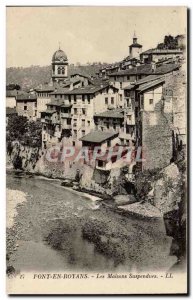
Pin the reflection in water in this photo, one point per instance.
(58, 229)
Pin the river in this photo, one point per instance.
(47, 233)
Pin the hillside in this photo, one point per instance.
(32, 76)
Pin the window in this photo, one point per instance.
(107, 126)
(69, 98)
(25, 107)
(83, 99)
(25, 102)
(75, 132)
(108, 143)
(83, 111)
(120, 98)
(129, 118)
(83, 132)
(55, 96)
(35, 104)
(120, 85)
(150, 101)
(106, 100)
(88, 123)
(89, 100)
(73, 143)
(74, 99)
(112, 100)
(128, 77)
(83, 122)
(35, 113)
(68, 121)
(100, 163)
(114, 127)
(75, 111)
(61, 96)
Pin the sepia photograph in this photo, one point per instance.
(96, 150)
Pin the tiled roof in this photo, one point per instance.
(115, 113)
(91, 89)
(143, 85)
(59, 91)
(81, 73)
(99, 136)
(162, 51)
(143, 69)
(143, 80)
(136, 45)
(98, 81)
(149, 85)
(44, 88)
(146, 69)
(11, 111)
(13, 93)
(26, 97)
(166, 68)
(48, 111)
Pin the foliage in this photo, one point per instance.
(26, 132)
(16, 128)
(12, 86)
(170, 42)
(143, 182)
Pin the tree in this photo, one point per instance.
(16, 128)
(12, 86)
(170, 42)
(33, 135)
(28, 133)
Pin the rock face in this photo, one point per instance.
(167, 190)
(124, 199)
(169, 197)
(142, 209)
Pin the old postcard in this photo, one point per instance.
(96, 135)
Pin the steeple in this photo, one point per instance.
(59, 66)
(135, 49)
(134, 38)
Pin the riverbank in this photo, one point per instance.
(57, 218)
(126, 207)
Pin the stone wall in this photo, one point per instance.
(157, 139)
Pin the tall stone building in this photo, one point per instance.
(135, 49)
(59, 66)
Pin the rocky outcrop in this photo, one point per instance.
(168, 195)
(166, 192)
(144, 210)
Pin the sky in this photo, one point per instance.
(86, 34)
